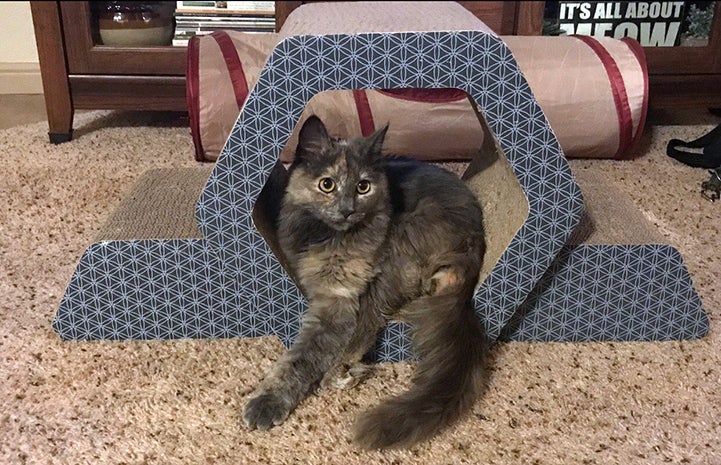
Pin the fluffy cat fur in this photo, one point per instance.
(371, 239)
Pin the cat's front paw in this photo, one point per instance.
(265, 411)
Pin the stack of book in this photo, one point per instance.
(203, 17)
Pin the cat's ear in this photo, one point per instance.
(375, 143)
(313, 139)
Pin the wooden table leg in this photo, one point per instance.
(54, 70)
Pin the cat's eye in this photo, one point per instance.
(363, 187)
(326, 185)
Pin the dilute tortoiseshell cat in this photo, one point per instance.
(372, 239)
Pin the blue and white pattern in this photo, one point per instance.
(231, 284)
(611, 293)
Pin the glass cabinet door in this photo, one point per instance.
(88, 52)
(132, 24)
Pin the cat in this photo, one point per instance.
(369, 239)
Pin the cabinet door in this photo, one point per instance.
(85, 57)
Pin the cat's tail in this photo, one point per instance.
(451, 344)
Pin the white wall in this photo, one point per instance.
(19, 67)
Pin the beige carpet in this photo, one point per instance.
(178, 402)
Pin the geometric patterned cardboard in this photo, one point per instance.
(623, 292)
(590, 293)
(230, 284)
(478, 63)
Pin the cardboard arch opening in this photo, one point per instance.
(488, 174)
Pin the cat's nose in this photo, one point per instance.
(346, 207)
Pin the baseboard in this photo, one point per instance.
(20, 78)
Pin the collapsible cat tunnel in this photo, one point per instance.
(594, 92)
(538, 283)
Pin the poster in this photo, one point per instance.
(653, 24)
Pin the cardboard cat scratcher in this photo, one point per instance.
(536, 284)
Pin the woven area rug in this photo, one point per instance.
(178, 402)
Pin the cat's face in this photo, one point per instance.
(340, 182)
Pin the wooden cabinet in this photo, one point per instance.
(79, 74)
